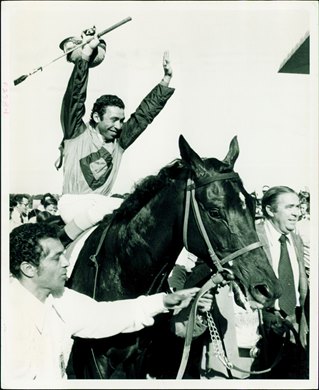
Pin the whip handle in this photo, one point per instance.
(116, 25)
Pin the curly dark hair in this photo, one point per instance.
(104, 101)
(25, 245)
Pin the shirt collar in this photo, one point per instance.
(31, 303)
(273, 233)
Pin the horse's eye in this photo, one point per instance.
(214, 213)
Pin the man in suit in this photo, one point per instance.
(280, 206)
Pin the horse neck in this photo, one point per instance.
(153, 238)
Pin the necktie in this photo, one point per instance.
(287, 301)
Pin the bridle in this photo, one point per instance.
(190, 199)
(216, 279)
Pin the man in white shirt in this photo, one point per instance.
(280, 207)
(41, 315)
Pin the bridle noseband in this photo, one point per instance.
(191, 200)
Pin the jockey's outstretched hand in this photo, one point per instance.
(168, 70)
(180, 299)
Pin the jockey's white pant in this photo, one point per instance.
(81, 211)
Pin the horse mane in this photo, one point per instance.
(146, 189)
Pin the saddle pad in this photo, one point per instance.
(73, 250)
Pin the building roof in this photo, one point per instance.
(298, 60)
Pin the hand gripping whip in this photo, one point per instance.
(99, 35)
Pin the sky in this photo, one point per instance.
(225, 58)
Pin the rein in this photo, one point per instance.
(93, 258)
(96, 265)
(215, 281)
(191, 200)
(217, 278)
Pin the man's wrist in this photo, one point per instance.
(87, 52)
(166, 80)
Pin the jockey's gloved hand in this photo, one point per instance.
(180, 299)
(92, 43)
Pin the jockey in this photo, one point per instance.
(92, 151)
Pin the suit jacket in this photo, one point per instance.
(298, 245)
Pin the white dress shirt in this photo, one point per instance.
(37, 336)
(274, 246)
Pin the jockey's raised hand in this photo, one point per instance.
(168, 71)
(92, 42)
(180, 299)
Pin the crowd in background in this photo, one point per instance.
(26, 208)
(37, 208)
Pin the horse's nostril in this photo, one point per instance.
(263, 290)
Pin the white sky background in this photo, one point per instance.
(225, 57)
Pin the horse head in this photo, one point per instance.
(225, 217)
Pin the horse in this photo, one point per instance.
(193, 202)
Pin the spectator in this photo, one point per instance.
(20, 207)
(43, 315)
(46, 197)
(303, 229)
(285, 252)
(32, 216)
(304, 209)
(51, 205)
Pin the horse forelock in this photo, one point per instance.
(215, 165)
(147, 189)
(233, 188)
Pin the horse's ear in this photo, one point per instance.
(233, 153)
(191, 157)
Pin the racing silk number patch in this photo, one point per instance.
(96, 168)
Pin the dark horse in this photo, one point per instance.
(143, 238)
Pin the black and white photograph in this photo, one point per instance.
(159, 203)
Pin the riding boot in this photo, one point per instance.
(74, 228)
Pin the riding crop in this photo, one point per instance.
(99, 35)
